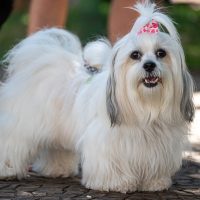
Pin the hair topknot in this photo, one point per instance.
(149, 11)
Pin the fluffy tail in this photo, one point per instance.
(96, 53)
(43, 43)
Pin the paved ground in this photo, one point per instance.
(186, 183)
(186, 186)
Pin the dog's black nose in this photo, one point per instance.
(149, 66)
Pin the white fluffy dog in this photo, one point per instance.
(127, 123)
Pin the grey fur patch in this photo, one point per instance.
(187, 105)
(111, 100)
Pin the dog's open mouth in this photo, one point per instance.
(151, 81)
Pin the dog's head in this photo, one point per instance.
(148, 75)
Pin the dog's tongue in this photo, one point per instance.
(151, 79)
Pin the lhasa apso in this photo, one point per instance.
(126, 124)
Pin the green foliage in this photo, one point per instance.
(12, 31)
(88, 19)
(188, 25)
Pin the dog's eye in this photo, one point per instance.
(136, 55)
(161, 53)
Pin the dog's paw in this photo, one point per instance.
(56, 163)
(53, 173)
(8, 172)
(116, 188)
(122, 187)
(157, 184)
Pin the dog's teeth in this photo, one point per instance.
(151, 80)
(154, 81)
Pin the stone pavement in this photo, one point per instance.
(186, 186)
(186, 183)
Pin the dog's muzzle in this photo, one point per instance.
(151, 79)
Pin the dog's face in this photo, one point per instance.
(148, 80)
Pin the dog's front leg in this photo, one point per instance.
(103, 168)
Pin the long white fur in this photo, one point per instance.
(129, 137)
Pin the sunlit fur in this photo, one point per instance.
(129, 137)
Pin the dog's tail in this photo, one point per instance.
(150, 12)
(96, 53)
(47, 42)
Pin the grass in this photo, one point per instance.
(88, 19)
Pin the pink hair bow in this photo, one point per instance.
(151, 27)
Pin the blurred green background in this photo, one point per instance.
(88, 19)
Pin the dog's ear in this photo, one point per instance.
(111, 100)
(187, 105)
